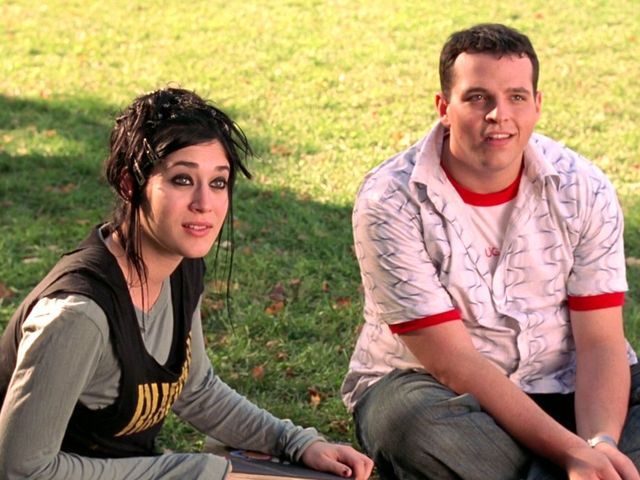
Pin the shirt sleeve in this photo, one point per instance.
(401, 280)
(214, 408)
(58, 354)
(599, 263)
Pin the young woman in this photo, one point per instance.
(111, 339)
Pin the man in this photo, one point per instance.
(494, 277)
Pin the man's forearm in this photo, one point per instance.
(602, 392)
(602, 375)
(517, 414)
(464, 370)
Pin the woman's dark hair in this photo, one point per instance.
(152, 127)
(491, 38)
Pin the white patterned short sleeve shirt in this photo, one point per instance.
(414, 242)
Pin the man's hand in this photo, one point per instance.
(340, 460)
(604, 462)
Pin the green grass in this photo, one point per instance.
(325, 90)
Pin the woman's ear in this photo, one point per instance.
(125, 187)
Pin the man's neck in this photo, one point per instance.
(478, 181)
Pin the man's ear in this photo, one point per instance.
(442, 106)
(538, 102)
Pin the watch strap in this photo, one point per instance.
(593, 441)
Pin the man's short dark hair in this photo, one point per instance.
(492, 38)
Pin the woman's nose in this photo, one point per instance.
(203, 199)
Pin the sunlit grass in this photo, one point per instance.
(325, 90)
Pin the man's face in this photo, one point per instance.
(491, 112)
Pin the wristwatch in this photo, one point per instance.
(593, 441)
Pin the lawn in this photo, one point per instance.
(325, 90)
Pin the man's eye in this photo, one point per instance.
(181, 180)
(476, 98)
(519, 98)
(219, 183)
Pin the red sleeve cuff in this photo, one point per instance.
(596, 302)
(424, 322)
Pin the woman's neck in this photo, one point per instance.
(143, 291)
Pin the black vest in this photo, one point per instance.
(147, 389)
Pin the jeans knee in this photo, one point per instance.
(413, 427)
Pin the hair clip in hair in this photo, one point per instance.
(152, 159)
(151, 153)
(137, 172)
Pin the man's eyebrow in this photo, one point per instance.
(519, 90)
(485, 90)
(474, 90)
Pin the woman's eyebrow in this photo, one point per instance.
(194, 165)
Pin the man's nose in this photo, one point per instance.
(498, 111)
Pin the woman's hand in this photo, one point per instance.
(340, 460)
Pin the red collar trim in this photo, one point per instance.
(486, 199)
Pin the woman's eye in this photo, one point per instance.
(219, 183)
(182, 180)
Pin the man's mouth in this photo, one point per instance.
(498, 136)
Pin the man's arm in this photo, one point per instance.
(603, 376)
(453, 360)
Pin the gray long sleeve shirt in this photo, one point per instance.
(65, 355)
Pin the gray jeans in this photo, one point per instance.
(415, 428)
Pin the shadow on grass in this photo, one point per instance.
(50, 187)
(288, 249)
(50, 200)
